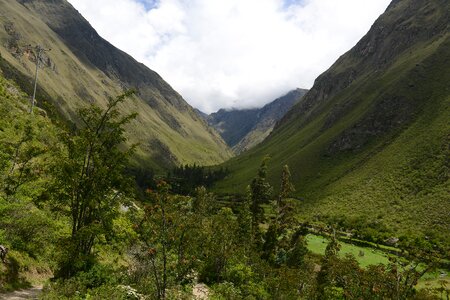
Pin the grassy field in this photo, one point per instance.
(317, 245)
(436, 279)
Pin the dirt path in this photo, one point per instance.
(31, 293)
(200, 291)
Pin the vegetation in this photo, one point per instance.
(185, 179)
(74, 219)
(29, 146)
(90, 183)
(364, 255)
(69, 211)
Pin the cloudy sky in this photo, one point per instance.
(233, 53)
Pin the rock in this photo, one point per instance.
(392, 241)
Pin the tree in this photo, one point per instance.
(28, 147)
(260, 193)
(90, 181)
(168, 236)
(285, 215)
(287, 188)
(202, 202)
(245, 221)
(221, 245)
(278, 241)
(326, 278)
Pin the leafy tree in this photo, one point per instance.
(297, 252)
(279, 240)
(285, 216)
(202, 202)
(90, 181)
(261, 192)
(326, 276)
(244, 219)
(29, 146)
(221, 245)
(270, 246)
(287, 188)
(168, 236)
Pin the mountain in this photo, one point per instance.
(83, 68)
(268, 116)
(371, 139)
(233, 125)
(243, 129)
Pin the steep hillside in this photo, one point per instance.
(83, 68)
(371, 138)
(244, 129)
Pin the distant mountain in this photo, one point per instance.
(371, 139)
(83, 68)
(233, 125)
(243, 129)
(268, 116)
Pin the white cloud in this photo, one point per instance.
(233, 53)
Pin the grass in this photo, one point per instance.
(431, 280)
(317, 244)
(433, 283)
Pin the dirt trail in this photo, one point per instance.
(200, 292)
(31, 293)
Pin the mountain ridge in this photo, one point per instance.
(361, 140)
(83, 68)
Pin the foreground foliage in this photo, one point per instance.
(89, 182)
(68, 212)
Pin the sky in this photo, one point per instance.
(233, 53)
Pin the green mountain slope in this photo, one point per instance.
(372, 137)
(83, 68)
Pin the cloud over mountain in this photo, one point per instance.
(233, 53)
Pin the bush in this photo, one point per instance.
(225, 291)
(95, 281)
(238, 274)
(112, 292)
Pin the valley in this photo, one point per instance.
(113, 187)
